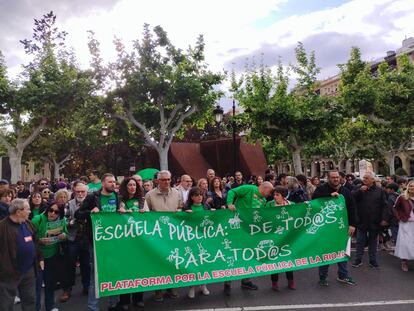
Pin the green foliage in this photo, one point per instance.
(294, 119)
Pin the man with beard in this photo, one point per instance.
(105, 200)
(333, 188)
(77, 245)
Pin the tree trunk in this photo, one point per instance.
(163, 157)
(391, 162)
(15, 160)
(56, 170)
(297, 163)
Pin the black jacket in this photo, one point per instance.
(4, 210)
(325, 190)
(83, 214)
(371, 207)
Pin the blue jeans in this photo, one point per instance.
(342, 270)
(93, 302)
(76, 250)
(364, 236)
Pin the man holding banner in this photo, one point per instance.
(247, 196)
(333, 188)
(103, 200)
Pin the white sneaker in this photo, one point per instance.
(204, 290)
(55, 309)
(16, 300)
(191, 292)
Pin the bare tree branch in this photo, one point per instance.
(180, 121)
(34, 134)
(130, 118)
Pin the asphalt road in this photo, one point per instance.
(387, 288)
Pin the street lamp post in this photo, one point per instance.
(218, 116)
(105, 134)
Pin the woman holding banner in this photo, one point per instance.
(279, 196)
(132, 196)
(194, 204)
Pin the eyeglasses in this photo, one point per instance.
(165, 179)
(197, 195)
(54, 211)
(43, 183)
(46, 192)
(80, 191)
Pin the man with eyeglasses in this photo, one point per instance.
(164, 198)
(77, 244)
(184, 187)
(42, 184)
(103, 200)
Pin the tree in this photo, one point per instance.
(298, 118)
(380, 98)
(49, 85)
(158, 87)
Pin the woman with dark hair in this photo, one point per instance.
(6, 196)
(50, 232)
(194, 204)
(132, 198)
(132, 195)
(37, 206)
(46, 195)
(279, 195)
(216, 197)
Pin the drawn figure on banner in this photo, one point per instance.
(131, 220)
(165, 220)
(98, 223)
(226, 244)
(265, 243)
(279, 230)
(188, 251)
(341, 223)
(202, 250)
(206, 222)
(235, 222)
(257, 217)
(230, 261)
(174, 255)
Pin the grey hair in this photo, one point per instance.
(163, 172)
(370, 175)
(17, 204)
(292, 182)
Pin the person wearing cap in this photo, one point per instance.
(4, 184)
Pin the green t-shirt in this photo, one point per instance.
(197, 207)
(48, 231)
(35, 212)
(246, 196)
(92, 187)
(108, 202)
(273, 204)
(132, 204)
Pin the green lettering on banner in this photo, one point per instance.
(148, 251)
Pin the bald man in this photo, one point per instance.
(184, 187)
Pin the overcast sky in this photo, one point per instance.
(235, 30)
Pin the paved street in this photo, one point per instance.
(385, 289)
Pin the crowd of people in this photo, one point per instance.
(46, 232)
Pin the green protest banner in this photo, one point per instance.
(148, 251)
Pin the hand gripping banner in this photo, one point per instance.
(136, 252)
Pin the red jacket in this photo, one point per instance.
(403, 208)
